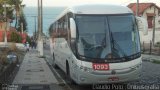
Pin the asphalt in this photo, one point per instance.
(35, 72)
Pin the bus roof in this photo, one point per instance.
(99, 9)
(96, 9)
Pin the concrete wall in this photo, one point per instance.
(157, 17)
(148, 38)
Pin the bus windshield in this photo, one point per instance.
(107, 37)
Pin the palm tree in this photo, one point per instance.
(1, 1)
(20, 17)
(16, 4)
(22, 21)
(9, 9)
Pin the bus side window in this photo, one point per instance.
(58, 29)
(62, 30)
(53, 32)
(65, 28)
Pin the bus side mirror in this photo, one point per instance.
(72, 28)
(142, 25)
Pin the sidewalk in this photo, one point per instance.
(150, 57)
(34, 70)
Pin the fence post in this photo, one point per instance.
(159, 49)
(143, 47)
(150, 49)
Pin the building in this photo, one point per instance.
(148, 11)
(151, 12)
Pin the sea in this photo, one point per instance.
(49, 15)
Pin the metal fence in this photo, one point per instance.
(149, 48)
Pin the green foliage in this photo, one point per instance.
(28, 39)
(3, 56)
(156, 61)
(1, 10)
(5, 51)
(22, 20)
(19, 17)
(10, 13)
(8, 9)
(42, 56)
(15, 37)
(3, 59)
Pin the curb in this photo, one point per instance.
(61, 82)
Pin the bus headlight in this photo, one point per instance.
(85, 69)
(139, 66)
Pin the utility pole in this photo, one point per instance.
(35, 27)
(5, 14)
(153, 38)
(137, 8)
(40, 24)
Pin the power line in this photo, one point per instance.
(44, 17)
(43, 14)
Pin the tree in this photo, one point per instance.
(17, 4)
(9, 10)
(22, 20)
(15, 37)
(20, 17)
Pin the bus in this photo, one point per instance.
(97, 43)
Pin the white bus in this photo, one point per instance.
(96, 44)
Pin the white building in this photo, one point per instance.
(149, 11)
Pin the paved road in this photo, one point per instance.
(150, 76)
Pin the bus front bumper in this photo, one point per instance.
(102, 78)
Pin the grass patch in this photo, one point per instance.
(42, 56)
(156, 61)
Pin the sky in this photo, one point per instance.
(52, 3)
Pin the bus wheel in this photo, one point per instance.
(54, 62)
(68, 74)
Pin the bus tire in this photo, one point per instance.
(68, 73)
(54, 62)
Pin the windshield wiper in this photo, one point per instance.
(86, 44)
(89, 46)
(134, 56)
(117, 48)
(96, 46)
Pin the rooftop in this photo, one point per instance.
(142, 7)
